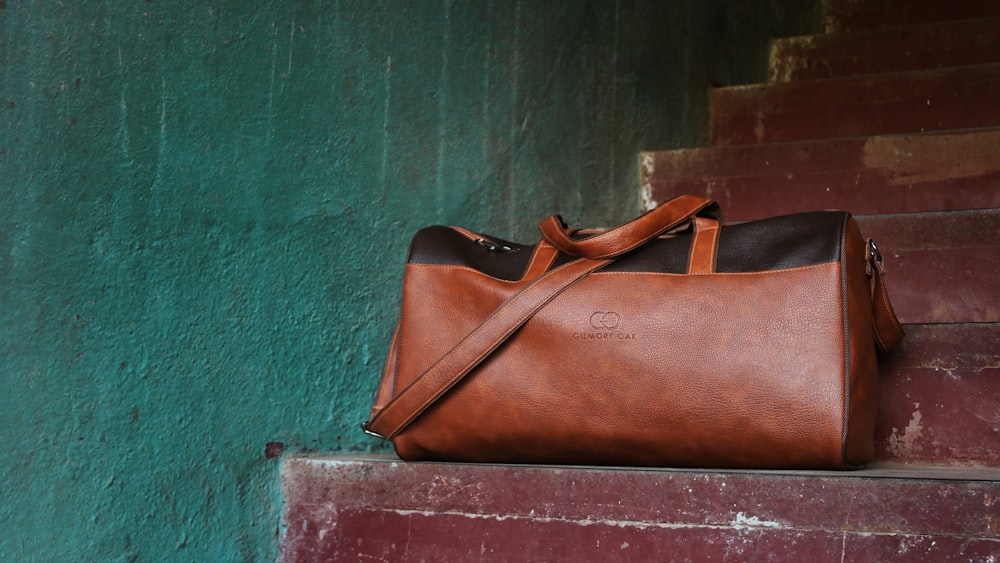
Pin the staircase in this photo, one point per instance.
(900, 125)
(894, 114)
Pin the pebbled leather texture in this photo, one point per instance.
(762, 357)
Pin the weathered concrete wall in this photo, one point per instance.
(205, 208)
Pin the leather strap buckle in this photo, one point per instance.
(364, 426)
(495, 247)
(873, 256)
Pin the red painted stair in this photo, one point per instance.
(923, 100)
(872, 51)
(379, 509)
(945, 266)
(897, 123)
(893, 115)
(949, 170)
(868, 14)
(939, 399)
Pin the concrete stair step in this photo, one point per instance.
(942, 266)
(872, 51)
(866, 175)
(376, 508)
(853, 14)
(926, 100)
(938, 401)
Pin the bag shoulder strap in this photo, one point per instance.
(886, 327)
(475, 347)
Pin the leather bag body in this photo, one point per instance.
(673, 340)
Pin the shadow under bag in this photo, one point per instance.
(672, 340)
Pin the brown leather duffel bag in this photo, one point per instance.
(669, 341)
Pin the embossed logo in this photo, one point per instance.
(605, 319)
(606, 326)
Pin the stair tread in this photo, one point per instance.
(939, 170)
(934, 45)
(326, 465)
(851, 14)
(376, 506)
(901, 102)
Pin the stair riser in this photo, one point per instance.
(939, 416)
(865, 175)
(942, 267)
(869, 192)
(399, 511)
(945, 285)
(389, 536)
(852, 14)
(938, 399)
(870, 105)
(885, 50)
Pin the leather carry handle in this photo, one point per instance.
(631, 235)
(704, 246)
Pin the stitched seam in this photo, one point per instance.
(875, 332)
(463, 268)
(888, 306)
(466, 232)
(539, 262)
(698, 242)
(884, 296)
(758, 273)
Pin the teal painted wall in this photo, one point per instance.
(204, 210)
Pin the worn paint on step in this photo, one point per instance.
(356, 509)
(941, 267)
(869, 14)
(897, 49)
(864, 175)
(939, 403)
(904, 102)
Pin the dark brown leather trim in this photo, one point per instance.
(446, 246)
(789, 241)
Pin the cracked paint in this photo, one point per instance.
(907, 443)
(742, 522)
